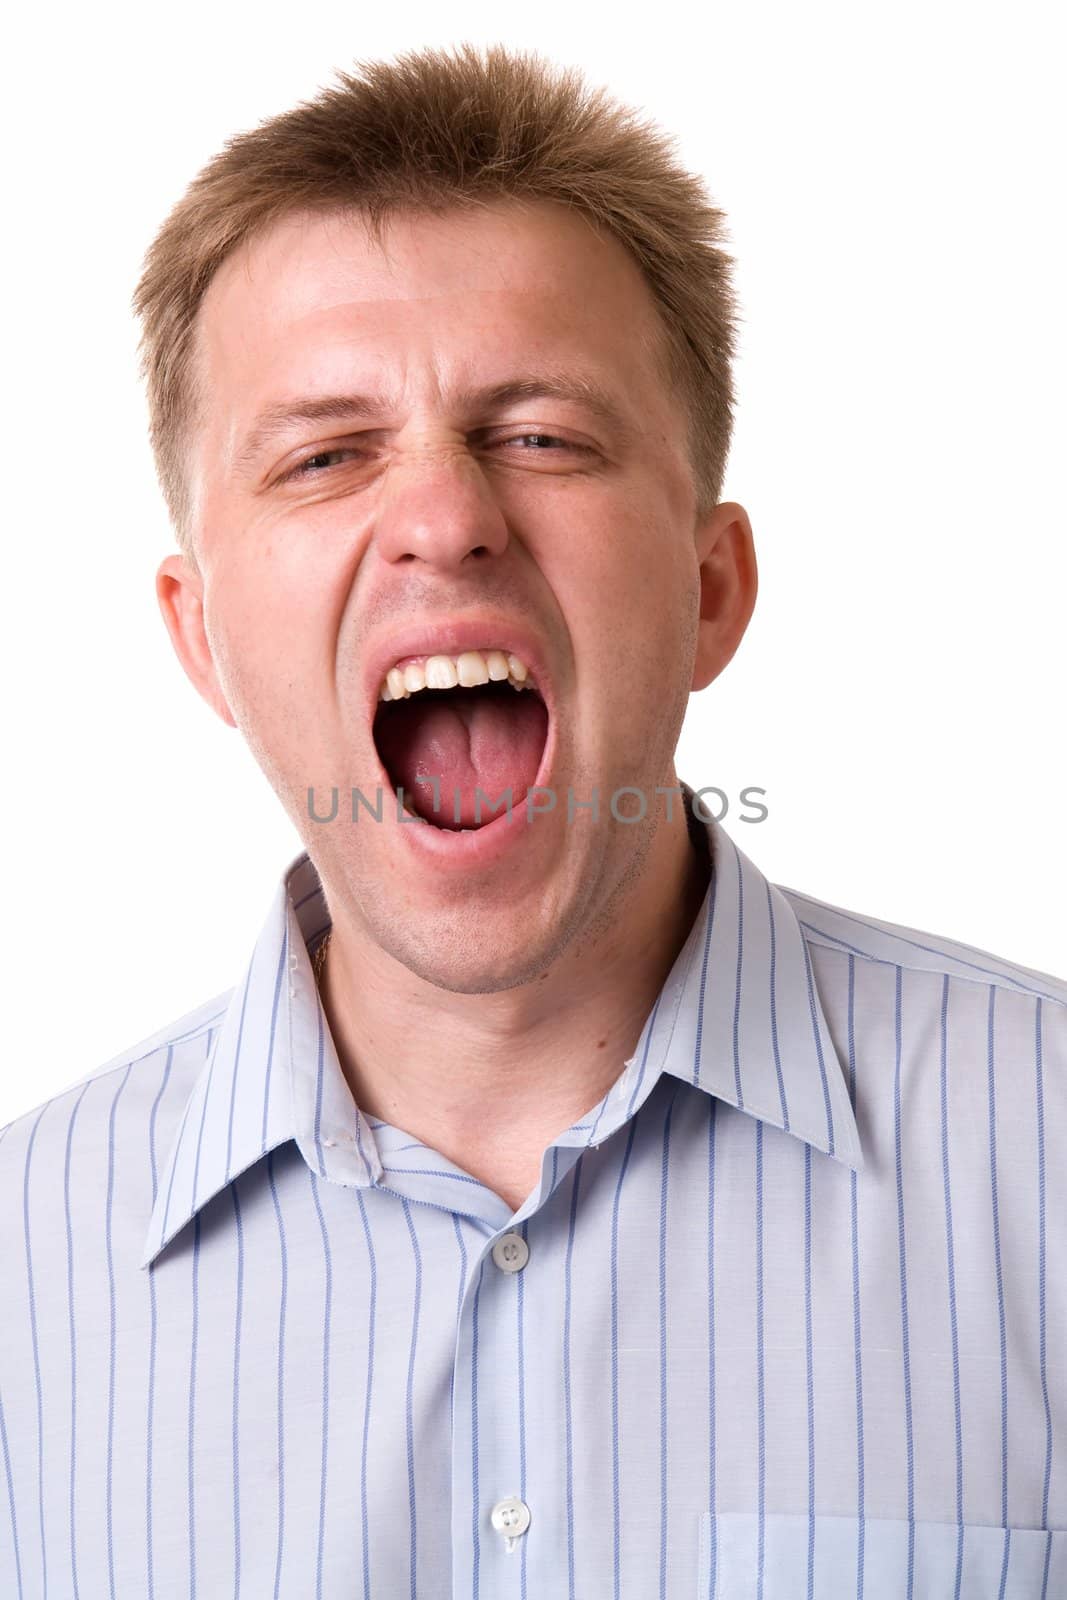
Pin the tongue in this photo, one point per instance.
(488, 739)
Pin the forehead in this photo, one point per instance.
(315, 294)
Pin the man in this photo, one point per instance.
(554, 1207)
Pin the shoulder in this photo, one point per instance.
(944, 1024)
(896, 994)
(871, 939)
(121, 1099)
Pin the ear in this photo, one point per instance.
(728, 584)
(180, 592)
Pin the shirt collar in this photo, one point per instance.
(739, 1017)
(748, 1023)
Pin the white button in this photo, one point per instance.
(511, 1517)
(511, 1253)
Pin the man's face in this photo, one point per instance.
(535, 523)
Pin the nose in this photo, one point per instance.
(438, 508)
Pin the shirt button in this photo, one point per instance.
(511, 1253)
(511, 1517)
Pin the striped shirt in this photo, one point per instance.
(785, 1315)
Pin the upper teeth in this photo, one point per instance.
(446, 672)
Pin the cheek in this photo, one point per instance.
(645, 588)
(258, 634)
(267, 603)
(653, 623)
(634, 627)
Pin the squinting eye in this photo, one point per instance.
(312, 466)
(551, 438)
(323, 456)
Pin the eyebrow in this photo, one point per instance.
(579, 389)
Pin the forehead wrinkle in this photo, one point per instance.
(575, 387)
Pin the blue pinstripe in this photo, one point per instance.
(823, 1079)
(364, 1507)
(73, 1344)
(112, 1329)
(283, 1290)
(773, 1004)
(409, 1398)
(234, 1080)
(702, 991)
(737, 985)
(568, 1420)
(761, 1387)
(38, 1392)
(1041, 1310)
(1000, 1295)
(327, 1308)
(461, 1286)
(236, 1407)
(810, 1358)
(521, 1305)
(856, 1322)
(180, 1145)
(664, 1165)
(616, 1503)
(909, 1431)
(713, 1576)
(476, 1532)
(951, 1274)
(191, 1456)
(203, 1115)
(283, 962)
(320, 1075)
(1041, 1316)
(154, 1330)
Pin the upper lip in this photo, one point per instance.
(451, 638)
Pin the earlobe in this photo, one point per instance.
(728, 584)
(180, 592)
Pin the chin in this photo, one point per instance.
(459, 958)
(474, 972)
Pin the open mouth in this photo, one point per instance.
(461, 735)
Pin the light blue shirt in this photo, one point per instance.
(784, 1317)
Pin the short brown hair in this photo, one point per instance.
(432, 130)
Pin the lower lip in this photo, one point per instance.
(454, 849)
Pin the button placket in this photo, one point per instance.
(510, 1516)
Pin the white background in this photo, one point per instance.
(893, 182)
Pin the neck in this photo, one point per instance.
(510, 1071)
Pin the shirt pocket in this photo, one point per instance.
(838, 1558)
